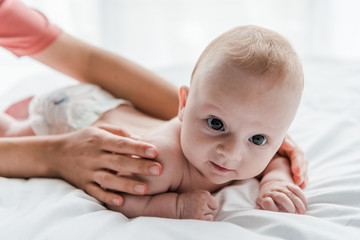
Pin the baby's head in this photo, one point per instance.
(244, 94)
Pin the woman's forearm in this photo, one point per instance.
(89, 159)
(25, 156)
(119, 76)
(149, 92)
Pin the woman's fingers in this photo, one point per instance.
(114, 182)
(92, 157)
(127, 164)
(299, 168)
(119, 153)
(123, 145)
(299, 165)
(304, 183)
(115, 130)
(104, 196)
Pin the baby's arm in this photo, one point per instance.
(277, 189)
(162, 200)
(197, 204)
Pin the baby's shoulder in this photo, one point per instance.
(171, 158)
(169, 151)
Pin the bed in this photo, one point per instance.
(327, 127)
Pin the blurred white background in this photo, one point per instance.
(160, 34)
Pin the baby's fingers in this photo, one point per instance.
(283, 202)
(213, 204)
(267, 203)
(292, 201)
(298, 198)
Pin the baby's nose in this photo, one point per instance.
(231, 150)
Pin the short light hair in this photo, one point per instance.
(257, 51)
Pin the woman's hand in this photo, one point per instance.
(299, 165)
(91, 158)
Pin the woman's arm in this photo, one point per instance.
(88, 158)
(84, 158)
(119, 76)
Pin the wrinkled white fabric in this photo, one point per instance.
(327, 127)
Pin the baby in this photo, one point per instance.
(244, 93)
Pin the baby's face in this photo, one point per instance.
(233, 123)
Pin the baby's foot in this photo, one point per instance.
(20, 109)
(10, 127)
(6, 122)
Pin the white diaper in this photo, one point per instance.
(69, 109)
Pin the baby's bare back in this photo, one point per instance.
(130, 119)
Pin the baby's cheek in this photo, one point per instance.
(188, 148)
(259, 167)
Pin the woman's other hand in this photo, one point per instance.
(299, 165)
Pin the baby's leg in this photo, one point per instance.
(10, 127)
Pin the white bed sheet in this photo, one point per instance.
(327, 127)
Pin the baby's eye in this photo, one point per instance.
(258, 140)
(216, 124)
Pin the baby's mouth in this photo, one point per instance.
(220, 168)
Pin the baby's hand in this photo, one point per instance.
(198, 204)
(281, 197)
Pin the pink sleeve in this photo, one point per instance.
(23, 30)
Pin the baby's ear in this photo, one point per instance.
(183, 94)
